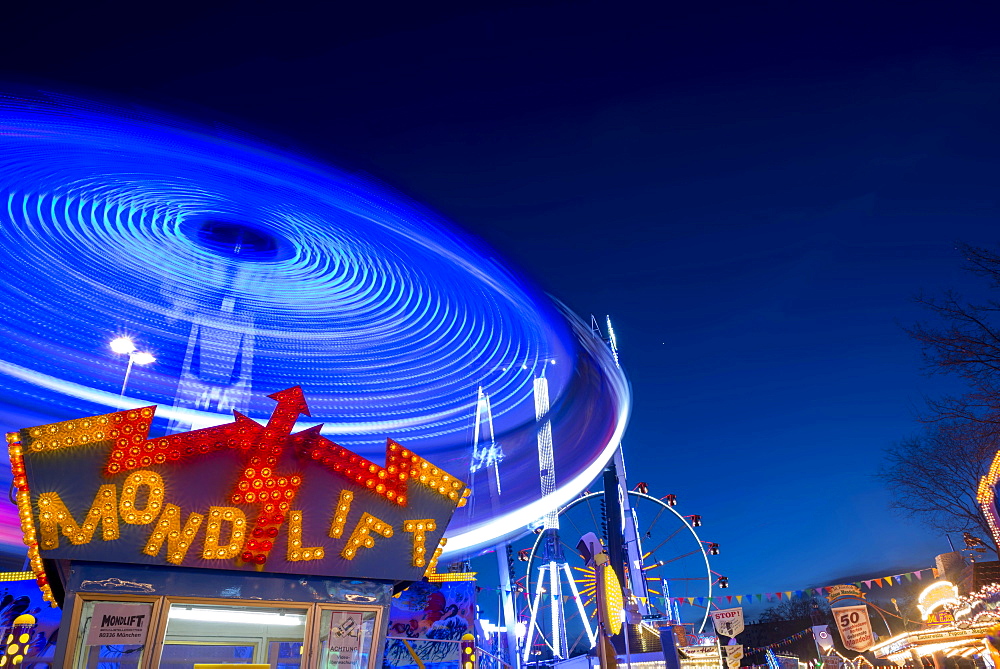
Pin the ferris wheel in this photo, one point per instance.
(675, 564)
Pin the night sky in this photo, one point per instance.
(755, 192)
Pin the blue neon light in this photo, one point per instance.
(245, 270)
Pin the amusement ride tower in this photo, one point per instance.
(553, 561)
(486, 458)
(486, 455)
(631, 519)
(616, 488)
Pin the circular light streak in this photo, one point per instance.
(242, 270)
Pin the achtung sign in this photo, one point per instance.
(237, 496)
(345, 638)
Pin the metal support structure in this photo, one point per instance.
(503, 552)
(554, 565)
(533, 615)
(624, 543)
(613, 518)
(591, 634)
(128, 372)
(636, 580)
(486, 456)
(556, 613)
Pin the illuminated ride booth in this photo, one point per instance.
(947, 631)
(230, 545)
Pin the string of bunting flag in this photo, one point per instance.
(870, 584)
(749, 650)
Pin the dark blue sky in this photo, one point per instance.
(754, 192)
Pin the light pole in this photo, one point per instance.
(906, 626)
(123, 346)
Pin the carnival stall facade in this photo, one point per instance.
(234, 544)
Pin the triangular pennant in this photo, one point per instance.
(739, 599)
(897, 579)
(909, 578)
(919, 574)
(934, 571)
(778, 595)
(760, 597)
(729, 599)
(691, 600)
(868, 584)
(878, 582)
(788, 594)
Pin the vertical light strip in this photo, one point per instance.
(546, 461)
(556, 609)
(986, 496)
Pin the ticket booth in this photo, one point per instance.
(234, 545)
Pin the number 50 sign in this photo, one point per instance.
(855, 627)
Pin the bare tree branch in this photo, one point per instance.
(934, 477)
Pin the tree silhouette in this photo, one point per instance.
(934, 476)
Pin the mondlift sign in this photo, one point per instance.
(241, 496)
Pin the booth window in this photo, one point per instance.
(116, 653)
(222, 634)
(345, 638)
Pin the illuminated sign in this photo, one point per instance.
(611, 601)
(728, 622)
(986, 496)
(236, 496)
(935, 596)
(855, 627)
(940, 618)
(839, 592)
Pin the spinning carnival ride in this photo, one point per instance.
(244, 270)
